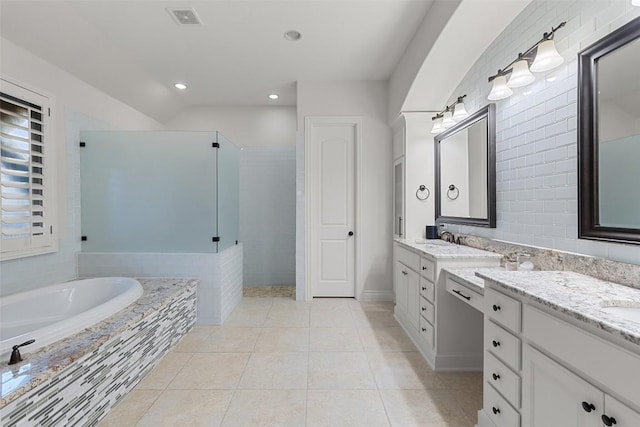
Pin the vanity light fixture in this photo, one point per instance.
(449, 116)
(539, 58)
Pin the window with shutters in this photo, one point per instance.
(26, 184)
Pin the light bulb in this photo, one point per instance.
(437, 126)
(547, 57)
(459, 112)
(447, 119)
(499, 90)
(520, 74)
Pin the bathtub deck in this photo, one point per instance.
(39, 367)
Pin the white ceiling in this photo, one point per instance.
(134, 51)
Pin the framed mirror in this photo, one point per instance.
(465, 154)
(609, 137)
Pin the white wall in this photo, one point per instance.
(75, 105)
(536, 133)
(369, 101)
(244, 126)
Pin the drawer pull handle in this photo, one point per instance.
(496, 377)
(424, 268)
(405, 273)
(608, 421)
(496, 411)
(424, 329)
(496, 307)
(424, 308)
(495, 343)
(424, 288)
(461, 294)
(588, 407)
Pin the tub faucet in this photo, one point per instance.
(15, 354)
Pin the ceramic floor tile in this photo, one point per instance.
(420, 408)
(275, 371)
(290, 303)
(374, 319)
(385, 339)
(160, 377)
(470, 401)
(194, 340)
(204, 408)
(330, 303)
(287, 318)
(353, 408)
(282, 340)
(402, 370)
(266, 408)
(461, 380)
(339, 318)
(248, 316)
(334, 339)
(387, 306)
(339, 371)
(130, 409)
(231, 340)
(211, 371)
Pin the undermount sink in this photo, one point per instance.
(627, 310)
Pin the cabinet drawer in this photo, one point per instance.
(503, 309)
(427, 289)
(464, 294)
(502, 344)
(500, 412)
(427, 332)
(624, 416)
(502, 378)
(427, 310)
(428, 268)
(408, 258)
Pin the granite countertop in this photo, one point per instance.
(38, 367)
(582, 297)
(439, 249)
(467, 276)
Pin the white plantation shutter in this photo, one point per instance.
(26, 226)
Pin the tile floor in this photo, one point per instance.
(280, 362)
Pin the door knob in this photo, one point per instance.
(351, 233)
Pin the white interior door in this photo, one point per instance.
(332, 147)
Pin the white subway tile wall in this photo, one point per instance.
(220, 275)
(268, 215)
(536, 142)
(34, 272)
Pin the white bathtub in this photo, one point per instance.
(52, 313)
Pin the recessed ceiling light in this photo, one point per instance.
(292, 35)
(273, 96)
(180, 86)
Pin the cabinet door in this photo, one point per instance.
(413, 298)
(398, 198)
(621, 414)
(401, 286)
(555, 397)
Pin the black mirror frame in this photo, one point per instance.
(489, 111)
(588, 212)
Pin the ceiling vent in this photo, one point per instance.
(184, 16)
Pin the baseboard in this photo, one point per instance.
(377, 296)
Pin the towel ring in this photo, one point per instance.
(451, 191)
(422, 189)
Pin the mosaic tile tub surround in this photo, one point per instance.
(76, 381)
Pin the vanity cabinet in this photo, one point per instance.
(446, 331)
(541, 370)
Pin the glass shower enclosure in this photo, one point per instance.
(158, 192)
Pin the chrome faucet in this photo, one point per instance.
(15, 354)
